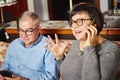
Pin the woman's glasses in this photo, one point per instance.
(79, 22)
(28, 32)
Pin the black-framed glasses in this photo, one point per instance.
(79, 21)
(28, 32)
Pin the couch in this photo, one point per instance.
(3, 48)
(4, 45)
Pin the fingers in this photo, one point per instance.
(7, 78)
(1, 77)
(56, 39)
(66, 47)
(51, 40)
(92, 30)
(88, 35)
(91, 35)
(14, 78)
(66, 44)
(51, 43)
(48, 42)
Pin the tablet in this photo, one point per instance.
(6, 73)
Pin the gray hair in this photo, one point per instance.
(27, 15)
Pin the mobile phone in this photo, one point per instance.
(93, 22)
(6, 73)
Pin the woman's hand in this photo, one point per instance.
(91, 35)
(55, 47)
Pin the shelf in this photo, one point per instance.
(110, 31)
(59, 27)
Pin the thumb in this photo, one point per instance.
(66, 44)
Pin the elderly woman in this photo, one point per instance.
(91, 56)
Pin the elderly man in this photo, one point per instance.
(26, 56)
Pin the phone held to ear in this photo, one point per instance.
(93, 22)
(6, 73)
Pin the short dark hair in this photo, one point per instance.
(92, 11)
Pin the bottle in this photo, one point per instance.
(115, 10)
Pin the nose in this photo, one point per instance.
(24, 35)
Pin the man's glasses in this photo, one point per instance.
(79, 22)
(28, 32)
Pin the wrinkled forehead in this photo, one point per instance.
(27, 20)
(26, 23)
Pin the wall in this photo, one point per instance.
(14, 11)
(40, 7)
(104, 5)
(31, 5)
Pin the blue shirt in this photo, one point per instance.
(34, 62)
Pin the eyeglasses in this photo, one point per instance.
(79, 21)
(28, 32)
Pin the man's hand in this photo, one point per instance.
(1, 77)
(14, 77)
(55, 47)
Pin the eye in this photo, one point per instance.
(79, 21)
